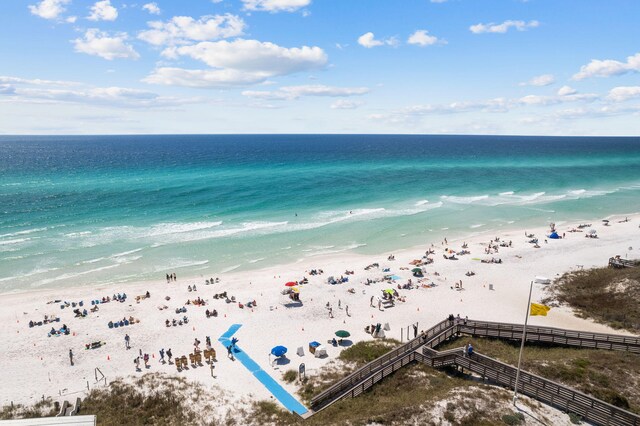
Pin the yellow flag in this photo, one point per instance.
(538, 309)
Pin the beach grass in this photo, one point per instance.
(606, 295)
(404, 397)
(411, 395)
(44, 408)
(611, 376)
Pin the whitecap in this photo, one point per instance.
(230, 268)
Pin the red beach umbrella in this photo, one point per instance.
(291, 284)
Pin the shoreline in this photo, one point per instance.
(470, 235)
(39, 365)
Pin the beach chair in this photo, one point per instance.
(198, 358)
(185, 364)
(178, 366)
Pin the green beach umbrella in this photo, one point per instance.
(389, 290)
(416, 270)
(342, 334)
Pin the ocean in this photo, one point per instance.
(79, 210)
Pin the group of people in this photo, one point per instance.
(64, 330)
(176, 322)
(171, 277)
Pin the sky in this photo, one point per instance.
(518, 67)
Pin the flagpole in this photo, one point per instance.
(524, 336)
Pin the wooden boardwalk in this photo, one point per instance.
(617, 262)
(422, 349)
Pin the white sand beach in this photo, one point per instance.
(35, 365)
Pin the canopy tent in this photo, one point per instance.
(554, 236)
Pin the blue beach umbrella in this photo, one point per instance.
(278, 351)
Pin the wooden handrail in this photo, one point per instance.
(366, 376)
(548, 391)
(366, 371)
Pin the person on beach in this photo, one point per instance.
(330, 312)
(126, 341)
(346, 309)
(371, 302)
(169, 355)
(146, 360)
(162, 355)
(229, 353)
(71, 357)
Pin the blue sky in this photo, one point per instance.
(537, 67)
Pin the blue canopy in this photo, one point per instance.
(554, 236)
(278, 351)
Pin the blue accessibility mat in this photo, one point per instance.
(285, 398)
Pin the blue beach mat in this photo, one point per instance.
(285, 398)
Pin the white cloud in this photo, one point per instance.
(274, 6)
(295, 92)
(48, 91)
(438, 1)
(202, 78)
(608, 67)
(152, 8)
(422, 38)
(368, 40)
(100, 43)
(566, 90)
(36, 82)
(103, 11)
(238, 62)
(540, 80)
(624, 93)
(49, 9)
(345, 104)
(182, 29)
(71, 19)
(503, 27)
(495, 105)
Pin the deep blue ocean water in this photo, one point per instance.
(94, 209)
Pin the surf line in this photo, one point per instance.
(285, 398)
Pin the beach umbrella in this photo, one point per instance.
(295, 289)
(592, 231)
(291, 284)
(278, 351)
(342, 334)
(389, 290)
(416, 270)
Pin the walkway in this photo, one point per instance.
(285, 398)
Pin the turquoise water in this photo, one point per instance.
(87, 210)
